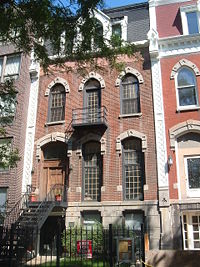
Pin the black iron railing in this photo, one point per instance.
(91, 245)
(14, 213)
(89, 116)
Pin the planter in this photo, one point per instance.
(57, 197)
(32, 198)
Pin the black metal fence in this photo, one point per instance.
(74, 246)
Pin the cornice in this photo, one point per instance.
(177, 45)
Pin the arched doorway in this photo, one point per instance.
(54, 167)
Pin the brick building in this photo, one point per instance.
(95, 135)
(20, 68)
(175, 53)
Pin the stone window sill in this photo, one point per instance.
(130, 115)
(54, 123)
(187, 108)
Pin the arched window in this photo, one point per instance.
(92, 171)
(186, 88)
(57, 103)
(92, 101)
(133, 169)
(130, 95)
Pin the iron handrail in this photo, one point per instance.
(48, 203)
(17, 209)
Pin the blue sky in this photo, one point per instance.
(115, 3)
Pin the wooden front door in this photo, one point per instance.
(54, 172)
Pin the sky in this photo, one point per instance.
(116, 3)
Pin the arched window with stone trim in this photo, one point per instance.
(186, 87)
(57, 99)
(130, 95)
(133, 168)
(92, 101)
(92, 171)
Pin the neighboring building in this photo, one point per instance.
(175, 56)
(15, 65)
(95, 135)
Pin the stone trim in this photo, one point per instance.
(34, 71)
(52, 137)
(185, 63)
(92, 75)
(130, 133)
(57, 80)
(181, 129)
(91, 137)
(131, 71)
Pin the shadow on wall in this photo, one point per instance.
(174, 258)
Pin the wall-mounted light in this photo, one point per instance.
(170, 161)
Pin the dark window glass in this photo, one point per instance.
(98, 35)
(186, 87)
(3, 199)
(116, 30)
(130, 97)
(55, 150)
(193, 172)
(92, 171)
(57, 103)
(133, 170)
(192, 21)
(91, 217)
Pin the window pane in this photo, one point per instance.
(55, 150)
(3, 198)
(7, 107)
(133, 220)
(187, 96)
(116, 30)
(186, 77)
(57, 103)
(92, 171)
(194, 173)
(98, 36)
(192, 22)
(130, 95)
(12, 66)
(133, 169)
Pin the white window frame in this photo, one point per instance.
(124, 24)
(187, 9)
(189, 230)
(190, 192)
(188, 107)
(4, 59)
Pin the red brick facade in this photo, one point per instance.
(112, 161)
(12, 179)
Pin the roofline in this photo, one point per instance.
(126, 7)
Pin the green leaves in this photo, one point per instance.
(8, 155)
(69, 26)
